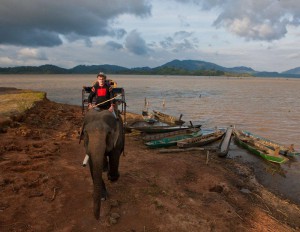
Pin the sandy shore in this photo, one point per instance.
(44, 187)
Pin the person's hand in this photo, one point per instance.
(111, 108)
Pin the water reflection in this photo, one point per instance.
(275, 169)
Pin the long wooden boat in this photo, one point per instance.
(283, 150)
(225, 143)
(172, 120)
(160, 129)
(201, 140)
(171, 141)
(149, 118)
(256, 148)
(156, 136)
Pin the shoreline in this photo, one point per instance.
(41, 168)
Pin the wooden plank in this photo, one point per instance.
(225, 143)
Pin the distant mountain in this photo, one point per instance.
(292, 71)
(45, 69)
(194, 65)
(142, 69)
(241, 69)
(175, 67)
(93, 69)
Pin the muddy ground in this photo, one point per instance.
(43, 186)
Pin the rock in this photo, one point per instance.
(244, 190)
(219, 188)
(115, 215)
(114, 203)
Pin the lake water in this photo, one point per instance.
(268, 107)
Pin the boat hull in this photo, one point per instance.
(239, 138)
(156, 136)
(161, 129)
(201, 140)
(168, 118)
(283, 150)
(171, 141)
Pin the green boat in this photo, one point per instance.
(201, 140)
(256, 148)
(172, 141)
(283, 150)
(160, 129)
(157, 136)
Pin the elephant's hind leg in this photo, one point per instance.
(105, 163)
(113, 172)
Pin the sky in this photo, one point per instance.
(261, 34)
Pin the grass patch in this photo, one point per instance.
(19, 102)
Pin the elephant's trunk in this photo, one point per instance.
(97, 149)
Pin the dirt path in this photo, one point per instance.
(44, 188)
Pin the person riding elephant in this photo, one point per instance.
(103, 137)
(103, 93)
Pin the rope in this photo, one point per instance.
(107, 101)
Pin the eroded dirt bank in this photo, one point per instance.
(44, 188)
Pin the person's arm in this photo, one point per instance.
(91, 96)
(112, 102)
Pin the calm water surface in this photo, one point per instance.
(265, 106)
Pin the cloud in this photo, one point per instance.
(42, 23)
(182, 34)
(265, 20)
(184, 45)
(6, 61)
(167, 43)
(30, 53)
(136, 44)
(119, 33)
(111, 45)
(183, 21)
(179, 41)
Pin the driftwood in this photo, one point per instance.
(207, 157)
(175, 150)
(225, 143)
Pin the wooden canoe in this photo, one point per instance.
(256, 148)
(150, 137)
(160, 129)
(171, 141)
(172, 120)
(149, 118)
(283, 150)
(201, 140)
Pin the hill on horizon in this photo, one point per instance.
(174, 67)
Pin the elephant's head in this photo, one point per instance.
(103, 137)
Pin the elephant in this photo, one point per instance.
(104, 140)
